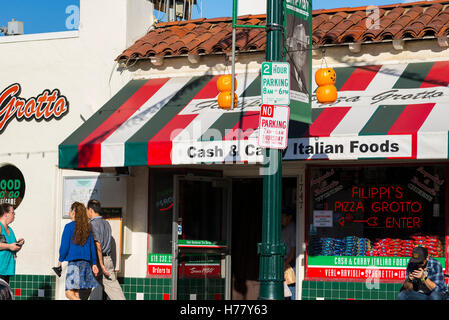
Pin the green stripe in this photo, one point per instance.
(136, 148)
(316, 112)
(382, 120)
(218, 130)
(413, 75)
(253, 90)
(68, 149)
(343, 74)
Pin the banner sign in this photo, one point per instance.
(367, 268)
(355, 147)
(298, 26)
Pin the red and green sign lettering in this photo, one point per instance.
(347, 267)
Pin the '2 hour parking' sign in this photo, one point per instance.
(275, 86)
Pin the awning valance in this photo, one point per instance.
(383, 112)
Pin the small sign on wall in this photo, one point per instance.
(322, 218)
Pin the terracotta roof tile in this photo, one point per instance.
(333, 26)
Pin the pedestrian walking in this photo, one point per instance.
(78, 248)
(106, 278)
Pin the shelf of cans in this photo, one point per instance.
(388, 247)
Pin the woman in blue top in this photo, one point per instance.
(9, 246)
(77, 247)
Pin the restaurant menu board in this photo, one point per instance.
(80, 190)
(378, 213)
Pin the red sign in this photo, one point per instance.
(200, 271)
(45, 106)
(158, 270)
(273, 126)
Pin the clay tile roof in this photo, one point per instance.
(332, 26)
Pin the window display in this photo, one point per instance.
(378, 213)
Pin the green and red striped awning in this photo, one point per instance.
(383, 111)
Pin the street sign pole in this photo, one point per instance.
(271, 250)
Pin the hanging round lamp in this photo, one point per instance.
(325, 78)
(224, 85)
(224, 99)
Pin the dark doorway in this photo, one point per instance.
(247, 232)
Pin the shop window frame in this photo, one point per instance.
(307, 207)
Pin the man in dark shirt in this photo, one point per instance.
(424, 278)
(106, 278)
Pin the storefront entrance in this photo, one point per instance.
(213, 219)
(201, 238)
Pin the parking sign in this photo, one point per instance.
(275, 86)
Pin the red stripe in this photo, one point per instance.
(90, 148)
(160, 147)
(438, 75)
(410, 121)
(360, 78)
(245, 127)
(210, 90)
(327, 121)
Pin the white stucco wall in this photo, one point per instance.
(81, 65)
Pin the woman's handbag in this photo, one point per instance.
(289, 276)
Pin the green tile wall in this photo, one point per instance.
(204, 289)
(311, 290)
(27, 287)
(152, 289)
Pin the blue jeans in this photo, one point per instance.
(414, 295)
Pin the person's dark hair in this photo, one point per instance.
(4, 208)
(94, 205)
(5, 291)
(288, 211)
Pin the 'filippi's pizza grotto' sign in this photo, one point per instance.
(46, 106)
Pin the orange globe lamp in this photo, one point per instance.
(224, 100)
(326, 94)
(224, 83)
(325, 76)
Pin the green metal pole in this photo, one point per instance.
(271, 250)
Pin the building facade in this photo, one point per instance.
(181, 181)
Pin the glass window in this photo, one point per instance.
(161, 211)
(375, 211)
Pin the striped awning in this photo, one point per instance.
(167, 121)
(383, 112)
(392, 111)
